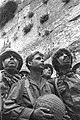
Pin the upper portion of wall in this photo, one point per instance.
(44, 25)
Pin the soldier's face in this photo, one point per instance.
(38, 62)
(64, 59)
(24, 75)
(10, 62)
(47, 71)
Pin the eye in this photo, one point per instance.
(60, 54)
(7, 56)
(38, 58)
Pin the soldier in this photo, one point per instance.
(23, 94)
(48, 71)
(67, 84)
(10, 64)
(23, 73)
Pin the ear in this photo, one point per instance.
(30, 63)
(3, 64)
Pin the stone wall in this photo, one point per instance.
(60, 27)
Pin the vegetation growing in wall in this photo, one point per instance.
(45, 1)
(47, 32)
(27, 28)
(7, 12)
(44, 18)
(65, 1)
(30, 15)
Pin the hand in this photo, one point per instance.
(2, 86)
(66, 117)
(42, 114)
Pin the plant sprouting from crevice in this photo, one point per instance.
(45, 1)
(27, 28)
(44, 18)
(66, 1)
(7, 12)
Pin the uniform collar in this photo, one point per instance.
(43, 81)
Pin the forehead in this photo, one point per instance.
(47, 67)
(61, 54)
(38, 55)
(78, 67)
(9, 55)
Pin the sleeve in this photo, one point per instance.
(12, 110)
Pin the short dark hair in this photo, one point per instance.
(31, 56)
(55, 63)
(50, 66)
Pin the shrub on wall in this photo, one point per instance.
(65, 1)
(44, 18)
(27, 28)
(7, 12)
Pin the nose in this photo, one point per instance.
(49, 69)
(65, 56)
(11, 58)
(42, 60)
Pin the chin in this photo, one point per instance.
(41, 67)
(67, 66)
(11, 67)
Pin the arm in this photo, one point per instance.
(0, 96)
(12, 109)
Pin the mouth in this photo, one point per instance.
(67, 61)
(49, 73)
(42, 65)
(11, 62)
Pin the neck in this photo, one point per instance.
(11, 71)
(36, 76)
(47, 77)
(64, 71)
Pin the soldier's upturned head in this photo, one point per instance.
(10, 59)
(62, 59)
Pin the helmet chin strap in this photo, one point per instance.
(11, 70)
(64, 69)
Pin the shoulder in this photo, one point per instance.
(1, 74)
(52, 80)
(75, 78)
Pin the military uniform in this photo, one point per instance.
(67, 84)
(67, 87)
(7, 79)
(18, 105)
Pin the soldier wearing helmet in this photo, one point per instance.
(10, 64)
(48, 71)
(23, 73)
(24, 94)
(67, 84)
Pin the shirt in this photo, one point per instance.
(18, 105)
(69, 89)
